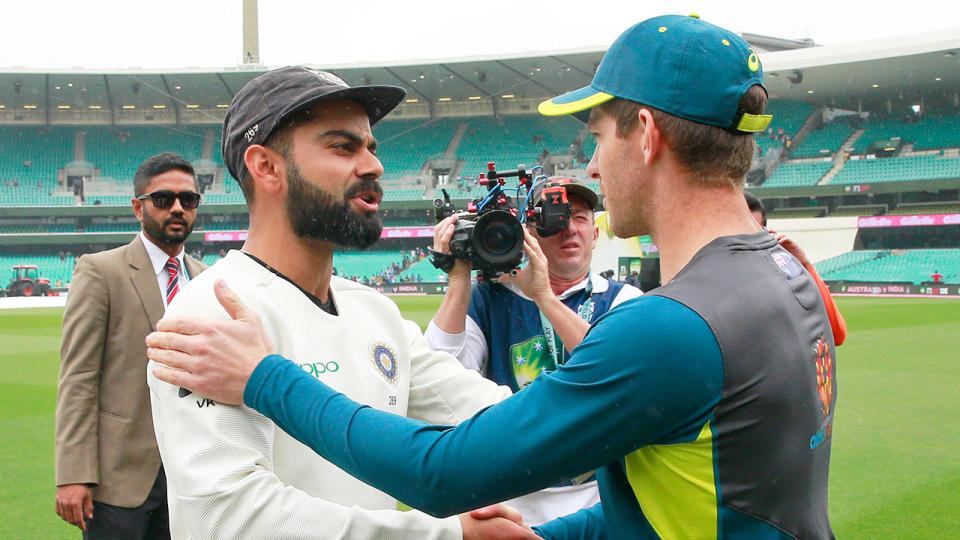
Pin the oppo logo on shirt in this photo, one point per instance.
(319, 368)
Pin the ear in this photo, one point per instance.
(596, 235)
(267, 169)
(651, 141)
(137, 208)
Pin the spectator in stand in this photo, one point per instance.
(937, 277)
(837, 323)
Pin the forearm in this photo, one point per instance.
(587, 524)
(568, 324)
(452, 314)
(427, 468)
(469, 346)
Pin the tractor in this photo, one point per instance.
(26, 282)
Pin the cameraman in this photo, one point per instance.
(499, 328)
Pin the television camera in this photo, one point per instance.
(489, 232)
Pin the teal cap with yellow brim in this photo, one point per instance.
(678, 64)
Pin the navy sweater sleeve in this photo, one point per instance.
(649, 371)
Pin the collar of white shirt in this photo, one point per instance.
(158, 257)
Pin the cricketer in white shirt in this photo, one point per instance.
(232, 473)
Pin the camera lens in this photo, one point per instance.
(498, 236)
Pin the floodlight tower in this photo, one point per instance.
(251, 33)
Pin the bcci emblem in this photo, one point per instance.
(824, 361)
(385, 361)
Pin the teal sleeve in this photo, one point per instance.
(649, 371)
(587, 524)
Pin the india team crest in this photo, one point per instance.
(385, 360)
(824, 361)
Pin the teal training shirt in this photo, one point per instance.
(706, 414)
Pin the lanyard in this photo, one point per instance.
(554, 346)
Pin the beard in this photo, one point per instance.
(315, 214)
(158, 231)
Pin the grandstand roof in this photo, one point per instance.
(841, 75)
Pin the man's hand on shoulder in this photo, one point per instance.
(497, 522)
(213, 358)
(790, 245)
(74, 504)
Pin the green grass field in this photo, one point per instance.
(895, 471)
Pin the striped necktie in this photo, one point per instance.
(173, 282)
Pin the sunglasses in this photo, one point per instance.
(163, 199)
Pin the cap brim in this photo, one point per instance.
(574, 102)
(377, 100)
(584, 193)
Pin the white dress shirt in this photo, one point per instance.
(158, 258)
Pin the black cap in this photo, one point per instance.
(574, 186)
(260, 106)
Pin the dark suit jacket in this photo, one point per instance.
(104, 429)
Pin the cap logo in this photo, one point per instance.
(252, 132)
(662, 29)
(328, 78)
(753, 62)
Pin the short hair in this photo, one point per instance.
(157, 165)
(754, 204)
(279, 142)
(711, 154)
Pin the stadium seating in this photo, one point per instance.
(825, 141)
(208, 224)
(789, 116)
(49, 266)
(234, 197)
(932, 132)
(33, 196)
(35, 229)
(513, 140)
(914, 266)
(210, 258)
(408, 194)
(897, 169)
(113, 227)
(365, 263)
(806, 173)
(403, 146)
(118, 152)
(33, 155)
(424, 271)
(846, 260)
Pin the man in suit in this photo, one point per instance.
(110, 482)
